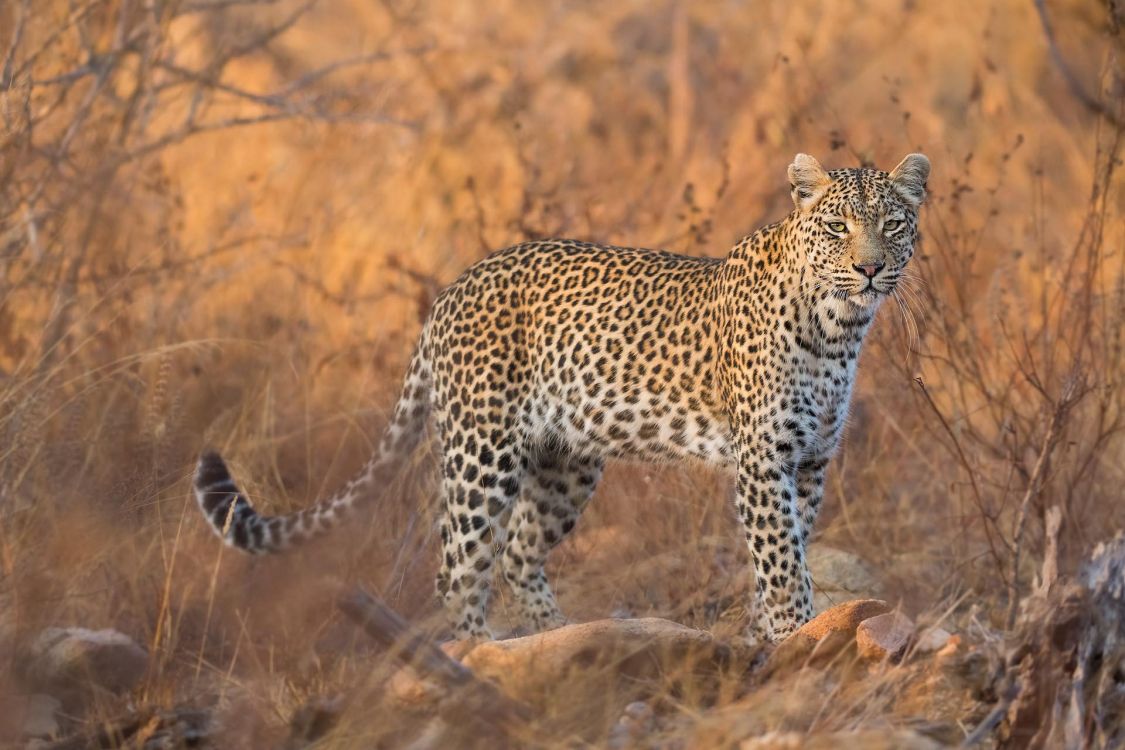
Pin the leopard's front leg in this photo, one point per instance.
(810, 493)
(766, 494)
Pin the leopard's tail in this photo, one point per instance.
(239, 525)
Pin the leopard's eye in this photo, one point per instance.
(838, 227)
(891, 225)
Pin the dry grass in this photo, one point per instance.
(221, 223)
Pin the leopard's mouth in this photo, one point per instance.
(866, 296)
(862, 293)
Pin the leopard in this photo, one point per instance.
(546, 359)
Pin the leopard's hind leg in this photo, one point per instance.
(556, 487)
(483, 467)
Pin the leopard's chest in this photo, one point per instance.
(820, 403)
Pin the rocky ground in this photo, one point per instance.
(862, 674)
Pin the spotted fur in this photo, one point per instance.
(545, 359)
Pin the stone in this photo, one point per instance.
(844, 618)
(40, 716)
(932, 640)
(412, 691)
(839, 576)
(637, 722)
(68, 661)
(529, 668)
(624, 662)
(864, 739)
(884, 636)
(820, 639)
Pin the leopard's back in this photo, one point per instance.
(602, 348)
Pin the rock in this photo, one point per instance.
(864, 739)
(844, 618)
(637, 722)
(839, 576)
(932, 639)
(796, 652)
(951, 648)
(411, 691)
(884, 636)
(624, 662)
(40, 716)
(820, 639)
(68, 661)
(604, 650)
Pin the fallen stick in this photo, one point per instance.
(472, 706)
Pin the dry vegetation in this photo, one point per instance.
(222, 221)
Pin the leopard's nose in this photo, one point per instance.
(870, 269)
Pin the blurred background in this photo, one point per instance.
(222, 223)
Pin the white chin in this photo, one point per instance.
(865, 298)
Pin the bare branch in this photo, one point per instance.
(262, 40)
(988, 517)
(209, 6)
(1091, 102)
(1072, 394)
(310, 78)
(17, 36)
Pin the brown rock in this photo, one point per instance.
(953, 647)
(40, 715)
(637, 722)
(839, 576)
(865, 739)
(844, 618)
(597, 656)
(821, 639)
(798, 651)
(603, 650)
(406, 688)
(412, 691)
(68, 661)
(932, 640)
(884, 636)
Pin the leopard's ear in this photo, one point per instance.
(909, 178)
(809, 181)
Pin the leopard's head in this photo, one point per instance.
(857, 227)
